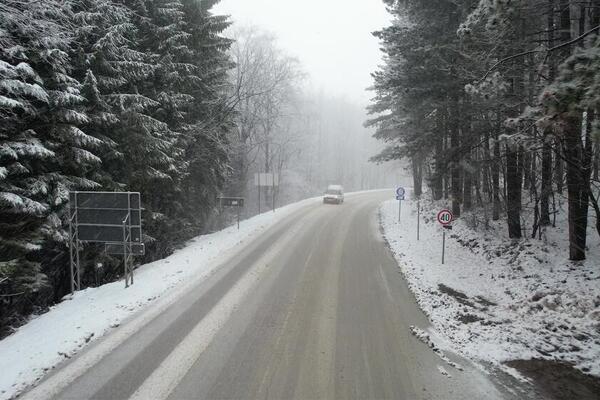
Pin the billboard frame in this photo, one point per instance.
(125, 227)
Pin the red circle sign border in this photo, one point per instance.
(444, 212)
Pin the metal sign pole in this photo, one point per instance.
(399, 210)
(77, 280)
(418, 218)
(129, 250)
(71, 246)
(125, 270)
(273, 190)
(443, 246)
(238, 218)
(259, 187)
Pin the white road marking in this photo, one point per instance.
(173, 368)
(58, 382)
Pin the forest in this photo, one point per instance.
(496, 104)
(161, 97)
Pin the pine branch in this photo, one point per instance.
(548, 51)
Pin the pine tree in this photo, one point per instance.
(209, 118)
(44, 153)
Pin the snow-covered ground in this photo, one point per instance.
(495, 299)
(66, 328)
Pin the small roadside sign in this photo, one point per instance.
(400, 193)
(445, 217)
(231, 201)
(237, 202)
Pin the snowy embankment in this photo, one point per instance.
(497, 300)
(66, 328)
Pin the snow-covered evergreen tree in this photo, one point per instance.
(107, 95)
(187, 121)
(43, 151)
(209, 117)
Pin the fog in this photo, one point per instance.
(302, 74)
(332, 38)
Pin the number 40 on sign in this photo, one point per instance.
(445, 217)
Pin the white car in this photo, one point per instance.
(334, 195)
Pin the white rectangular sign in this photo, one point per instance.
(266, 179)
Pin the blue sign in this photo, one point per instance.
(400, 192)
(399, 197)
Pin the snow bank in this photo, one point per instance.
(48, 339)
(495, 299)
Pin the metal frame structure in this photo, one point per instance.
(127, 257)
(75, 241)
(74, 248)
(237, 202)
(272, 181)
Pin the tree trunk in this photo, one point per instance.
(513, 191)
(437, 184)
(596, 160)
(455, 151)
(577, 186)
(468, 187)
(546, 189)
(559, 171)
(417, 167)
(486, 181)
(594, 201)
(496, 179)
(525, 160)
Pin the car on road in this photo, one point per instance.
(334, 195)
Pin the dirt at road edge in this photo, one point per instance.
(557, 380)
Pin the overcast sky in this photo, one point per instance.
(331, 38)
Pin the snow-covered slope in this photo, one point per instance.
(495, 299)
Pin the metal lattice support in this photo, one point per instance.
(74, 250)
(127, 252)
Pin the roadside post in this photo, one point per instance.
(273, 192)
(445, 218)
(237, 202)
(418, 219)
(400, 192)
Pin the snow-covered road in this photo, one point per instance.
(312, 306)
(56, 336)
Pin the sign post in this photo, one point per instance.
(445, 218)
(400, 192)
(418, 218)
(237, 202)
(273, 193)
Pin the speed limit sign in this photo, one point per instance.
(445, 217)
